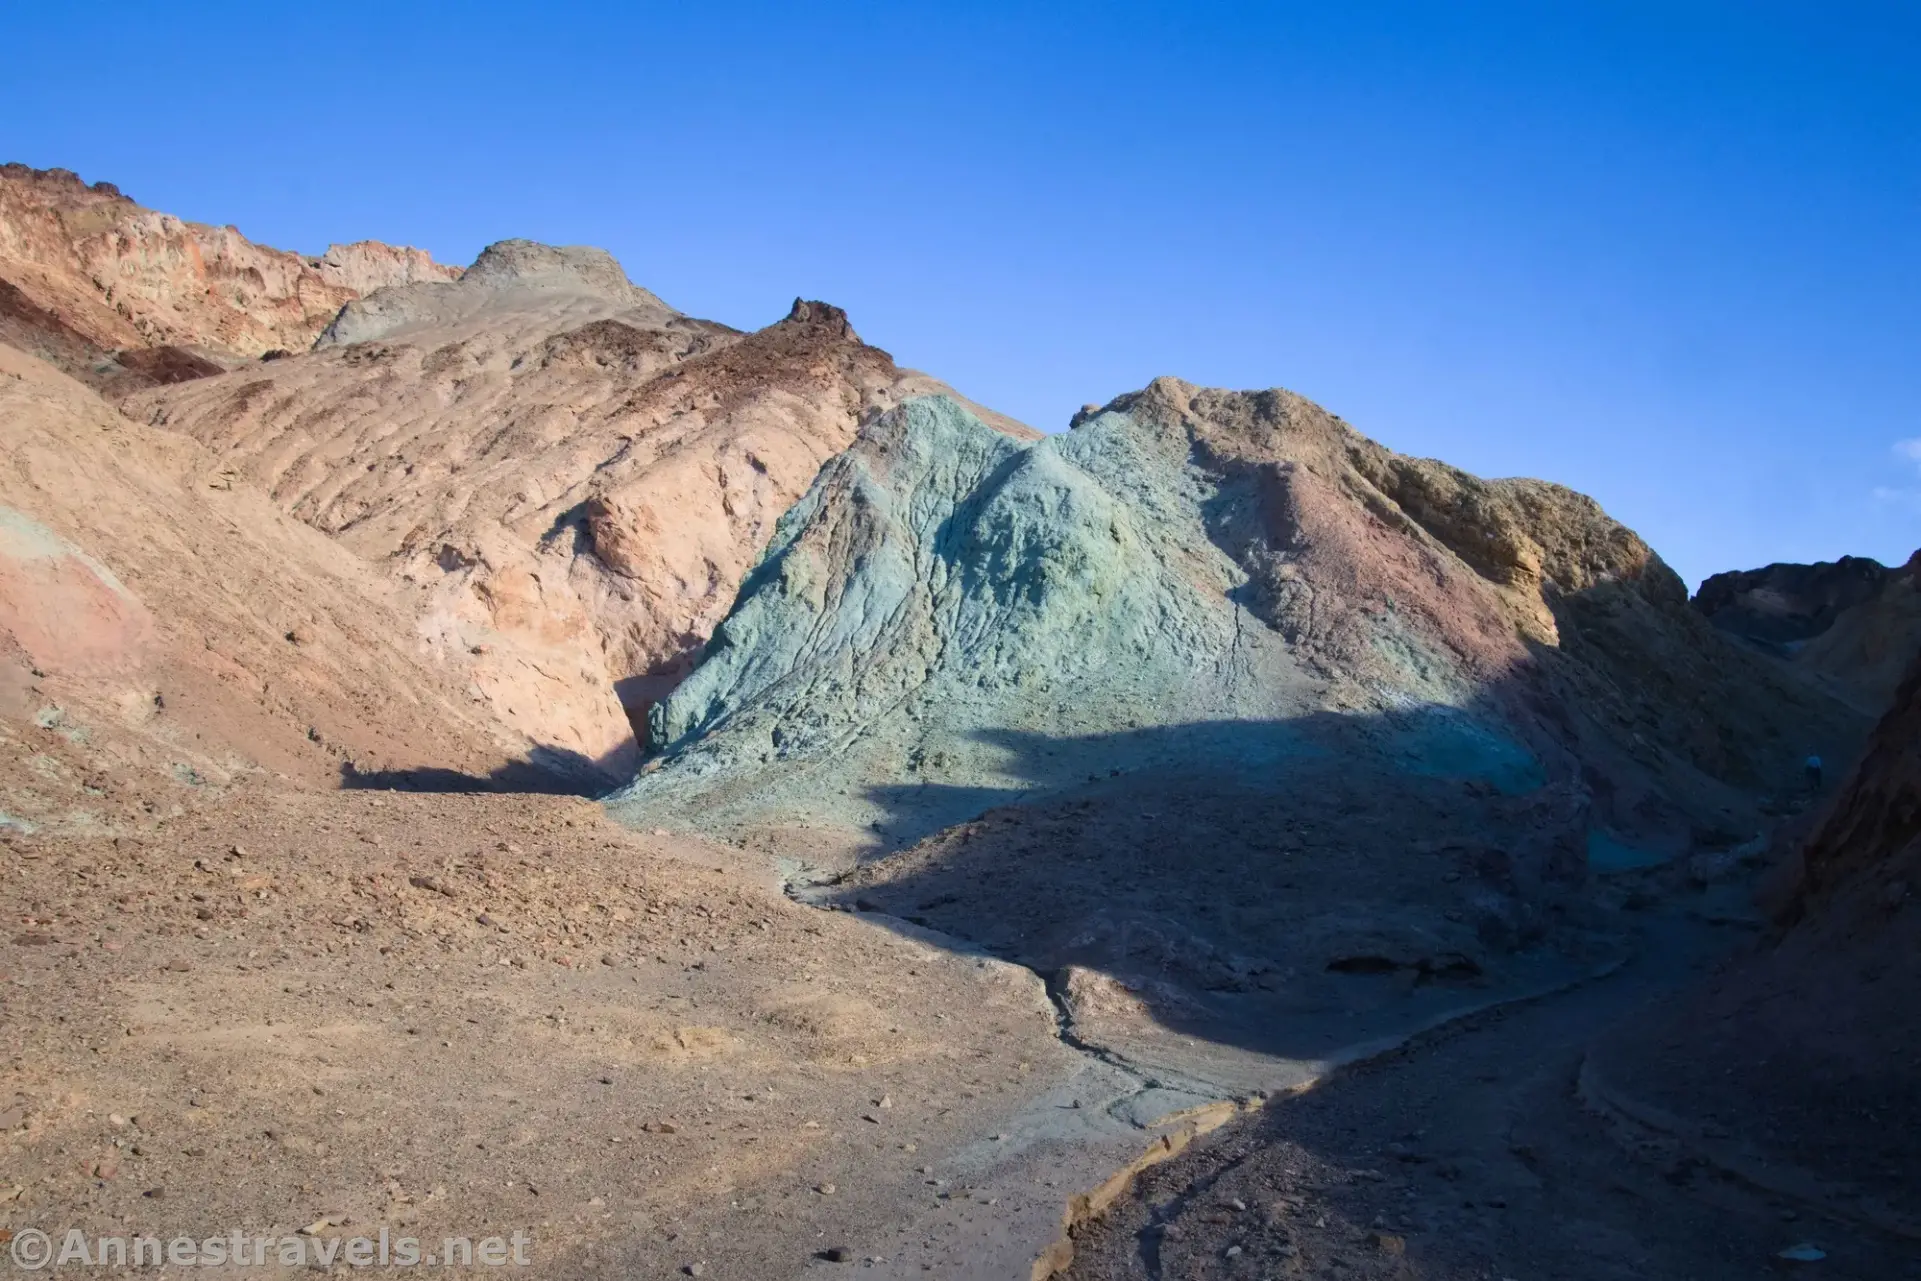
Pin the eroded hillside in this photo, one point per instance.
(120, 296)
(1150, 773)
(952, 617)
(165, 634)
(575, 475)
(1851, 625)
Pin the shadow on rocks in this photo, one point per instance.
(546, 770)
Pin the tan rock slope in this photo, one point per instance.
(165, 633)
(575, 475)
(89, 279)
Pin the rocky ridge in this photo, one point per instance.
(573, 475)
(1781, 604)
(1121, 704)
(165, 633)
(951, 615)
(89, 279)
(1852, 625)
(508, 276)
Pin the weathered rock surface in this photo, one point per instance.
(28, 327)
(1784, 603)
(508, 276)
(87, 262)
(1256, 739)
(165, 632)
(1864, 655)
(1258, 742)
(1852, 625)
(575, 475)
(951, 618)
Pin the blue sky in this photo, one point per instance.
(1669, 254)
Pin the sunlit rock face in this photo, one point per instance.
(1190, 578)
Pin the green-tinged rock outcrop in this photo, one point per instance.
(951, 619)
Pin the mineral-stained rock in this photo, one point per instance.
(570, 475)
(1291, 740)
(144, 622)
(951, 618)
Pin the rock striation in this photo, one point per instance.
(951, 616)
(572, 474)
(167, 634)
(94, 277)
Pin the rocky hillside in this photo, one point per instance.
(1866, 852)
(1251, 736)
(166, 634)
(575, 475)
(1853, 625)
(91, 282)
(952, 616)
(1798, 1064)
(1784, 603)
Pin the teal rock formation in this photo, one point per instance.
(1190, 579)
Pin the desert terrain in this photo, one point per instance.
(483, 752)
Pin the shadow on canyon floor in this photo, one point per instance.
(1291, 886)
(546, 770)
(1224, 895)
(1280, 887)
(1472, 1156)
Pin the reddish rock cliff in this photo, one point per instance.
(120, 276)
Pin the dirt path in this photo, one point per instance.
(1143, 1084)
(1468, 1156)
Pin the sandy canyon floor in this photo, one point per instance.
(464, 1014)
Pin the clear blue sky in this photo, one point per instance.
(1668, 253)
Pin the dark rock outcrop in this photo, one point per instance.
(1851, 625)
(1783, 603)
